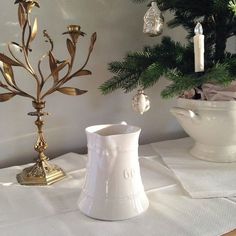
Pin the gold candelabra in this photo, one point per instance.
(43, 172)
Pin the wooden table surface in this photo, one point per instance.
(232, 233)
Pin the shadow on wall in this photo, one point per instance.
(119, 28)
(20, 149)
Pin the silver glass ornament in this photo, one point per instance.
(141, 102)
(153, 21)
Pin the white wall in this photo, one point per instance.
(119, 28)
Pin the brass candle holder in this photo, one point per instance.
(43, 172)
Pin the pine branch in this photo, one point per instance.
(176, 61)
(232, 65)
(151, 75)
(111, 85)
(146, 67)
(181, 83)
(232, 6)
(220, 74)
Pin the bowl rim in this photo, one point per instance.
(204, 104)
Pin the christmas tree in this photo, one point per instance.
(174, 60)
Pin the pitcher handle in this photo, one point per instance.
(185, 113)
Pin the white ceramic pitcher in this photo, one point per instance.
(113, 188)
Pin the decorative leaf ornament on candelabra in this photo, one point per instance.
(43, 172)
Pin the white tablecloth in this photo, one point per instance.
(52, 211)
(201, 179)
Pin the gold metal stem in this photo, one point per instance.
(41, 144)
(43, 172)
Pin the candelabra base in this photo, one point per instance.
(42, 173)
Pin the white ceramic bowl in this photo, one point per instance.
(212, 124)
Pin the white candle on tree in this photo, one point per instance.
(199, 49)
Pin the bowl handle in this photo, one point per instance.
(184, 113)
